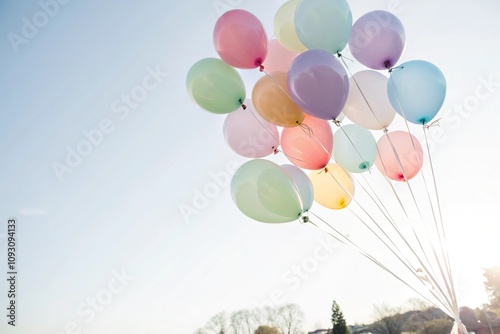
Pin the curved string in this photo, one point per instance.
(448, 279)
(345, 240)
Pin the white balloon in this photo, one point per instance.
(369, 107)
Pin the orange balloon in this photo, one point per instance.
(272, 101)
(333, 187)
(309, 145)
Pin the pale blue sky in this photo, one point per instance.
(118, 209)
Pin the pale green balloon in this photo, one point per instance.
(264, 191)
(323, 24)
(215, 86)
(354, 148)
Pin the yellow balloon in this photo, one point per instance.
(271, 99)
(284, 28)
(333, 187)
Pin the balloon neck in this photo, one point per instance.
(243, 106)
(260, 65)
(387, 64)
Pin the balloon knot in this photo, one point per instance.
(326, 170)
(434, 123)
(276, 151)
(243, 106)
(386, 130)
(261, 68)
(339, 54)
(305, 219)
(336, 122)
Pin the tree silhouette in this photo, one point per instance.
(338, 322)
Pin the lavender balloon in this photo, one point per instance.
(318, 84)
(377, 40)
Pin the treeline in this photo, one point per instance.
(284, 319)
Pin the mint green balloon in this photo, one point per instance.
(354, 148)
(215, 86)
(323, 24)
(265, 192)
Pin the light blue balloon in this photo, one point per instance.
(354, 148)
(417, 90)
(323, 24)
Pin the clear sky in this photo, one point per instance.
(102, 244)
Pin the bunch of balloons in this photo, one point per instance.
(304, 93)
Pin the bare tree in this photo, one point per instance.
(269, 316)
(244, 321)
(218, 323)
(290, 318)
(237, 322)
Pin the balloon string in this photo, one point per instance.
(404, 174)
(442, 235)
(310, 133)
(359, 88)
(277, 83)
(412, 269)
(446, 258)
(276, 151)
(401, 109)
(264, 127)
(382, 230)
(429, 272)
(345, 240)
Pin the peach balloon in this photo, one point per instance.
(278, 57)
(272, 101)
(310, 144)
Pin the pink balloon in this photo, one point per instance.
(310, 144)
(240, 39)
(396, 149)
(278, 57)
(248, 134)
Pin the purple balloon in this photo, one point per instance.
(318, 83)
(377, 40)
